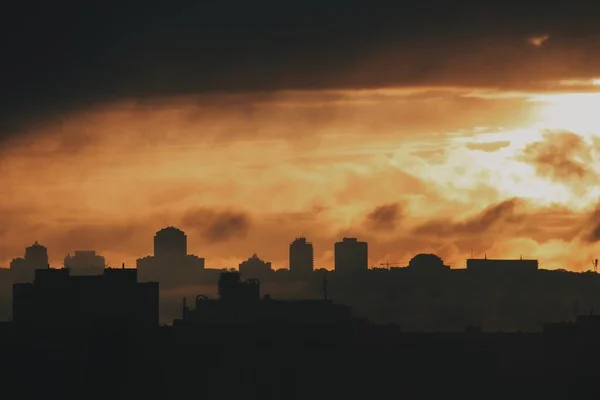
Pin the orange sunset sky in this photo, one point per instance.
(423, 169)
(495, 152)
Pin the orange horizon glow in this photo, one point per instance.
(317, 163)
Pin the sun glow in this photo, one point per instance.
(575, 112)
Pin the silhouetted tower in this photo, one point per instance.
(301, 256)
(170, 242)
(36, 256)
(351, 255)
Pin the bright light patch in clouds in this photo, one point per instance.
(583, 82)
(574, 112)
(538, 40)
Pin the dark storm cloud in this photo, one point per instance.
(217, 225)
(491, 218)
(61, 56)
(591, 229)
(384, 217)
(561, 156)
(512, 218)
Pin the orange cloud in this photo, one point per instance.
(248, 173)
(538, 40)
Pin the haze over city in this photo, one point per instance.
(417, 138)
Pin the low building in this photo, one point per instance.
(239, 302)
(58, 299)
(427, 263)
(486, 265)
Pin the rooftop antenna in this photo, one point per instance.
(521, 257)
(324, 287)
(123, 266)
(595, 265)
(485, 256)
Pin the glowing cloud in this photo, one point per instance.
(538, 40)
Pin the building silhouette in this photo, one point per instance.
(301, 257)
(85, 262)
(170, 264)
(427, 263)
(254, 267)
(23, 268)
(495, 266)
(240, 302)
(351, 256)
(170, 242)
(58, 299)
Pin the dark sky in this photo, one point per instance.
(58, 57)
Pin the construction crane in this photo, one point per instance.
(387, 264)
(595, 265)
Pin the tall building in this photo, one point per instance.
(170, 265)
(170, 242)
(85, 263)
(351, 256)
(37, 255)
(301, 256)
(254, 267)
(23, 268)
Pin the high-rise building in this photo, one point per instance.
(37, 256)
(170, 265)
(23, 268)
(85, 263)
(351, 256)
(170, 242)
(301, 256)
(254, 267)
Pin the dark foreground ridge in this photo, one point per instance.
(71, 334)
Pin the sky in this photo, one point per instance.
(455, 128)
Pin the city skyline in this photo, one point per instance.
(376, 128)
(350, 254)
(284, 194)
